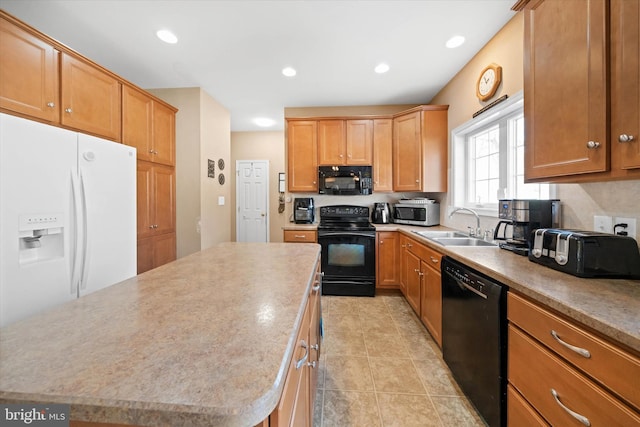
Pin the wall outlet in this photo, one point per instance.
(631, 225)
(603, 224)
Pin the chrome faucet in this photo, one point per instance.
(472, 232)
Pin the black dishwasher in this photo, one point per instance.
(474, 337)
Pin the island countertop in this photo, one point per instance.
(204, 340)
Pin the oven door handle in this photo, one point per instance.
(344, 233)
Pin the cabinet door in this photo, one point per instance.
(164, 249)
(625, 82)
(164, 199)
(302, 153)
(90, 99)
(565, 84)
(404, 251)
(29, 74)
(359, 142)
(144, 199)
(387, 255)
(331, 142)
(145, 254)
(164, 131)
(382, 155)
(413, 281)
(137, 114)
(407, 154)
(431, 308)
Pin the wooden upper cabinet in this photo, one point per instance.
(156, 201)
(345, 142)
(164, 131)
(28, 74)
(625, 84)
(137, 124)
(565, 84)
(149, 126)
(407, 175)
(91, 99)
(331, 142)
(383, 155)
(420, 149)
(302, 154)
(359, 142)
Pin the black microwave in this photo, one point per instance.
(344, 180)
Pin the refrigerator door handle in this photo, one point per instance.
(85, 235)
(76, 258)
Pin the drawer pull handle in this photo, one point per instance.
(300, 236)
(581, 351)
(300, 363)
(584, 420)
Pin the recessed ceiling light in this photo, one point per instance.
(455, 41)
(381, 68)
(167, 36)
(289, 71)
(264, 122)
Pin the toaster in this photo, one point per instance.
(586, 253)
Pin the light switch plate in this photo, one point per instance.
(220, 200)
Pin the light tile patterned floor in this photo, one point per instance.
(380, 367)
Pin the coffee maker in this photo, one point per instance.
(524, 216)
(381, 213)
(303, 210)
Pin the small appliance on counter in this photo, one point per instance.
(586, 253)
(303, 210)
(345, 180)
(381, 213)
(524, 216)
(418, 211)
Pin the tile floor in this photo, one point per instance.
(380, 367)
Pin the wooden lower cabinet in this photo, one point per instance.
(156, 251)
(300, 236)
(387, 259)
(570, 378)
(421, 283)
(295, 408)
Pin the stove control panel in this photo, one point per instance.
(344, 211)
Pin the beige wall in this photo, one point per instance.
(260, 146)
(580, 201)
(202, 132)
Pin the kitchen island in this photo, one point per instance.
(204, 340)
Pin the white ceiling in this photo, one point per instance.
(235, 50)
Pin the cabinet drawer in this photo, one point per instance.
(428, 255)
(520, 413)
(611, 366)
(300, 236)
(537, 374)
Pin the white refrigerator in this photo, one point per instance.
(67, 216)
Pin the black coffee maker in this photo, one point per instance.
(303, 210)
(524, 216)
(381, 213)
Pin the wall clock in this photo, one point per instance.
(488, 82)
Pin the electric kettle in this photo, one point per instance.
(381, 213)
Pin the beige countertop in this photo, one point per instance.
(204, 340)
(610, 307)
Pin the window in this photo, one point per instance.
(488, 159)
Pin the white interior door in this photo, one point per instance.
(252, 201)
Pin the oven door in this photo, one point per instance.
(348, 262)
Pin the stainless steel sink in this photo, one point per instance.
(436, 234)
(461, 241)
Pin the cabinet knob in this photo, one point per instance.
(417, 181)
(593, 145)
(51, 104)
(381, 241)
(625, 138)
(68, 110)
(151, 151)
